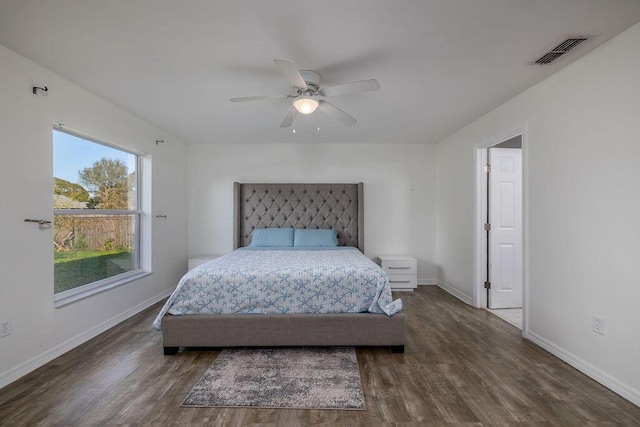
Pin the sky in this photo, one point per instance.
(72, 154)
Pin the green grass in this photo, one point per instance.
(73, 269)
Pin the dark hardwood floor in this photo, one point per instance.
(461, 366)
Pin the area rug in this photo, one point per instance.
(300, 378)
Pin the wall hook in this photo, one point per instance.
(159, 141)
(41, 89)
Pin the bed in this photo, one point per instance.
(290, 206)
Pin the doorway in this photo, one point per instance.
(500, 232)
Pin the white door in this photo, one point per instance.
(505, 236)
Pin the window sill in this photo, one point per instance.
(60, 300)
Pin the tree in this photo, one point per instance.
(107, 179)
(69, 189)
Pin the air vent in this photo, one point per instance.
(563, 47)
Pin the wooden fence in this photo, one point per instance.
(93, 232)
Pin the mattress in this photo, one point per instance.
(282, 281)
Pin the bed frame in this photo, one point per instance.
(337, 206)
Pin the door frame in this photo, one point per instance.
(480, 235)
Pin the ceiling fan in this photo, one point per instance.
(308, 94)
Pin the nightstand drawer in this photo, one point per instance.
(402, 271)
(403, 281)
(404, 266)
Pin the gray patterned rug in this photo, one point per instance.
(301, 378)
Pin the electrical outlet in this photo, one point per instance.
(598, 325)
(5, 328)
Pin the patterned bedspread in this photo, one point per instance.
(245, 281)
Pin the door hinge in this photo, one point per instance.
(487, 168)
(487, 227)
(487, 285)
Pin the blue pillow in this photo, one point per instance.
(272, 237)
(315, 237)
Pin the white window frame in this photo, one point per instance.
(71, 295)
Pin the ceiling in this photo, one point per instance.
(440, 63)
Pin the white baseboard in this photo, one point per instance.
(456, 293)
(586, 368)
(34, 363)
(427, 282)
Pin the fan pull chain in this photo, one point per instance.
(294, 121)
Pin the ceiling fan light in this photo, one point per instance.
(305, 105)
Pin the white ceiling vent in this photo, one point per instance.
(553, 54)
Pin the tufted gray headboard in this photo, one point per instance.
(337, 206)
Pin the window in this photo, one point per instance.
(97, 215)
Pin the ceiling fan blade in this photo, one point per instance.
(291, 70)
(336, 113)
(288, 119)
(353, 87)
(258, 98)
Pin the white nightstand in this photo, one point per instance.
(402, 271)
(199, 260)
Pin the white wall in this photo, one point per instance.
(582, 205)
(40, 332)
(399, 190)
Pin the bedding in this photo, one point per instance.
(278, 280)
